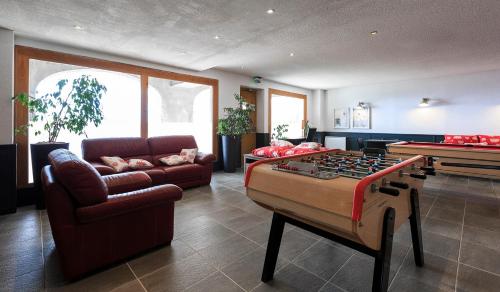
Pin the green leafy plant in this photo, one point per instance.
(237, 120)
(279, 132)
(58, 111)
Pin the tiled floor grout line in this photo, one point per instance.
(137, 278)
(460, 244)
(340, 269)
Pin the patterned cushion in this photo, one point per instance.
(173, 160)
(490, 140)
(309, 145)
(189, 154)
(296, 151)
(270, 151)
(281, 143)
(460, 139)
(115, 162)
(140, 164)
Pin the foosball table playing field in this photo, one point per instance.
(348, 197)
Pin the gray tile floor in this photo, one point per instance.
(220, 240)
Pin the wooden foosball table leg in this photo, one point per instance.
(273, 247)
(416, 230)
(383, 257)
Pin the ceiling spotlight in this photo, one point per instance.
(375, 32)
(217, 37)
(78, 27)
(270, 11)
(292, 54)
(425, 102)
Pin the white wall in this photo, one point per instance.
(465, 104)
(229, 83)
(6, 84)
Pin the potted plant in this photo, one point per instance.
(279, 132)
(236, 122)
(71, 108)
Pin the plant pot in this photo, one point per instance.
(231, 149)
(39, 159)
(8, 178)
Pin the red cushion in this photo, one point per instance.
(270, 151)
(460, 139)
(490, 140)
(296, 151)
(183, 172)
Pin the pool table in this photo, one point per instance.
(469, 160)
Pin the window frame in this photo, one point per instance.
(272, 92)
(23, 54)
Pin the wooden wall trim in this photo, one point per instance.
(272, 91)
(21, 84)
(144, 105)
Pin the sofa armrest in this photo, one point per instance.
(127, 182)
(204, 158)
(102, 169)
(129, 202)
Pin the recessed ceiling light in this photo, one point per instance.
(375, 32)
(292, 54)
(217, 37)
(270, 11)
(78, 27)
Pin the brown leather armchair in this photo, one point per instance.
(96, 220)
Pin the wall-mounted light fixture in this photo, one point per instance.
(425, 102)
(361, 105)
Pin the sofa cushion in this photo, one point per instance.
(490, 140)
(116, 163)
(93, 149)
(460, 139)
(157, 175)
(170, 144)
(81, 180)
(189, 154)
(173, 160)
(135, 163)
(183, 172)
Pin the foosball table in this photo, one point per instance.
(348, 197)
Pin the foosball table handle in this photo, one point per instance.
(399, 185)
(428, 170)
(389, 191)
(419, 176)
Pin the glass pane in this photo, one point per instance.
(289, 111)
(181, 108)
(121, 105)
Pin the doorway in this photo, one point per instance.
(249, 141)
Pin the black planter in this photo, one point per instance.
(8, 178)
(231, 152)
(39, 159)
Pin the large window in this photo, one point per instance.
(287, 108)
(178, 103)
(120, 105)
(181, 108)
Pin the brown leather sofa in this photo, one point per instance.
(152, 149)
(98, 220)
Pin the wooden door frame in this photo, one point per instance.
(23, 54)
(272, 91)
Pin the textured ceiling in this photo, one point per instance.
(330, 38)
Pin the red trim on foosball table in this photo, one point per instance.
(250, 168)
(359, 190)
(448, 146)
